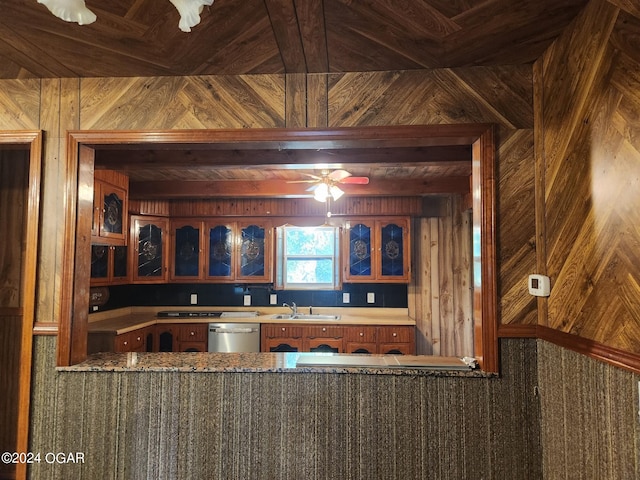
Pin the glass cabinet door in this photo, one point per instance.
(392, 251)
(150, 249)
(120, 262)
(187, 248)
(99, 264)
(220, 258)
(254, 252)
(359, 264)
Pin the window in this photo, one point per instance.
(307, 258)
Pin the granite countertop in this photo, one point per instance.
(276, 362)
(128, 319)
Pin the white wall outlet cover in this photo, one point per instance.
(273, 299)
(247, 300)
(371, 297)
(539, 285)
(194, 299)
(346, 298)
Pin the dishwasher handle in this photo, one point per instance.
(232, 330)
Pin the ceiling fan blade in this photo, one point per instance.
(355, 180)
(339, 175)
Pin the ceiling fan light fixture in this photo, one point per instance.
(189, 11)
(321, 192)
(335, 192)
(70, 11)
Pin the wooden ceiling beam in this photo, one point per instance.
(284, 22)
(132, 160)
(165, 189)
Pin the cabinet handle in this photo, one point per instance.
(192, 333)
(395, 334)
(138, 339)
(284, 329)
(362, 334)
(324, 329)
(125, 343)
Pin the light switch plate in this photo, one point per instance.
(247, 300)
(346, 298)
(273, 299)
(371, 297)
(194, 299)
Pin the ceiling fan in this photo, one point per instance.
(326, 186)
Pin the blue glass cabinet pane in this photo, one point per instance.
(149, 251)
(392, 251)
(252, 251)
(187, 251)
(220, 251)
(99, 261)
(360, 250)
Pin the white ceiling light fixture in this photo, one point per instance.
(324, 191)
(70, 11)
(76, 11)
(190, 11)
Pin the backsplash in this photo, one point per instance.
(215, 295)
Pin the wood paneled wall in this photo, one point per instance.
(588, 157)
(441, 294)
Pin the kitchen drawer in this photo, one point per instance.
(402, 334)
(282, 331)
(324, 331)
(360, 334)
(193, 332)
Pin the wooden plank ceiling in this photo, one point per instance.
(235, 37)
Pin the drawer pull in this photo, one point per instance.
(324, 329)
(362, 334)
(284, 329)
(192, 333)
(125, 343)
(395, 334)
(139, 338)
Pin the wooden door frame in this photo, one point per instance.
(79, 188)
(32, 140)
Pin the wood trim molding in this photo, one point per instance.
(45, 328)
(590, 348)
(517, 331)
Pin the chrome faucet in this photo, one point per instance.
(293, 307)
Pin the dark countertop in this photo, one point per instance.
(275, 362)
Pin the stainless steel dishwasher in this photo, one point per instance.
(234, 337)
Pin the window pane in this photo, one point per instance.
(310, 271)
(309, 241)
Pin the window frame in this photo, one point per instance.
(281, 258)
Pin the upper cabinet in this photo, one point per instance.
(149, 241)
(187, 259)
(377, 250)
(220, 251)
(254, 251)
(110, 208)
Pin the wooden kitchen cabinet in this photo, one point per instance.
(323, 338)
(360, 339)
(396, 340)
(377, 250)
(140, 340)
(110, 208)
(280, 337)
(149, 254)
(254, 251)
(221, 254)
(192, 337)
(187, 258)
(109, 265)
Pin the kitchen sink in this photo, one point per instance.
(301, 316)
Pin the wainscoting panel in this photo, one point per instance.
(276, 426)
(590, 425)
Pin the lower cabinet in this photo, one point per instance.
(192, 337)
(281, 338)
(338, 338)
(140, 340)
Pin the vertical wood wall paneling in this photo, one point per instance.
(296, 100)
(592, 165)
(317, 101)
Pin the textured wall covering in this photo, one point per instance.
(276, 426)
(590, 425)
